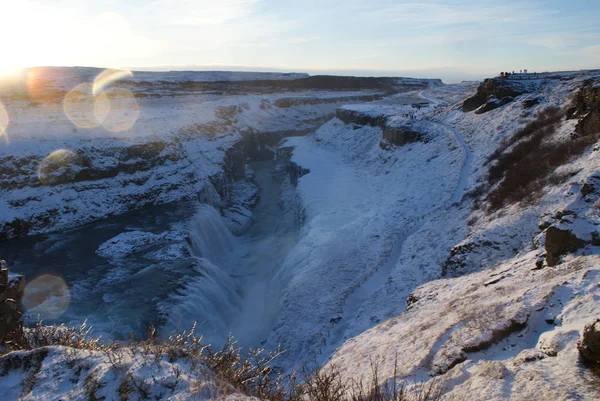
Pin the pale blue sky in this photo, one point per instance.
(452, 39)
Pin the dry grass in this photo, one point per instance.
(327, 385)
(525, 163)
(253, 374)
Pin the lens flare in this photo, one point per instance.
(117, 109)
(47, 296)
(47, 86)
(4, 120)
(106, 77)
(79, 105)
(59, 167)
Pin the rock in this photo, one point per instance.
(587, 189)
(529, 355)
(529, 103)
(586, 108)
(399, 131)
(552, 342)
(411, 300)
(16, 287)
(493, 281)
(11, 320)
(12, 287)
(589, 344)
(491, 90)
(401, 135)
(360, 118)
(493, 103)
(559, 242)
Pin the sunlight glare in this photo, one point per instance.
(58, 167)
(106, 77)
(47, 296)
(79, 105)
(4, 120)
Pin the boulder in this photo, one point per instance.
(559, 242)
(589, 344)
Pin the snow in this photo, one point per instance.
(128, 242)
(359, 200)
(454, 315)
(446, 334)
(111, 375)
(367, 226)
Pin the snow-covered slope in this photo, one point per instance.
(509, 330)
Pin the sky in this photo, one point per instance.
(450, 39)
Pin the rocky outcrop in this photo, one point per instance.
(493, 93)
(395, 130)
(402, 132)
(586, 108)
(494, 103)
(357, 117)
(589, 344)
(12, 287)
(559, 242)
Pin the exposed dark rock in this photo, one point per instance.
(402, 135)
(360, 118)
(459, 261)
(411, 300)
(494, 89)
(492, 104)
(587, 189)
(529, 103)
(586, 107)
(559, 242)
(295, 172)
(11, 318)
(589, 344)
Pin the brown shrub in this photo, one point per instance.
(526, 168)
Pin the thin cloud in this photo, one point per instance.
(200, 12)
(440, 14)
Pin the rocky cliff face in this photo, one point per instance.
(12, 287)
(586, 108)
(396, 130)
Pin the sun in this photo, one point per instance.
(8, 69)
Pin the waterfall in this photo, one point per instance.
(210, 238)
(209, 295)
(210, 299)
